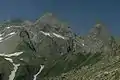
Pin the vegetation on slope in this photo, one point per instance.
(108, 68)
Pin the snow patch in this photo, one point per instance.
(53, 34)
(21, 59)
(1, 34)
(11, 33)
(83, 44)
(12, 26)
(35, 76)
(59, 36)
(6, 37)
(9, 59)
(12, 75)
(1, 38)
(45, 33)
(97, 25)
(7, 27)
(10, 55)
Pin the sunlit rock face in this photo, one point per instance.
(49, 23)
(96, 41)
(51, 31)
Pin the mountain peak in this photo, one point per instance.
(46, 18)
(99, 29)
(48, 14)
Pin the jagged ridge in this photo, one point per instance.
(50, 43)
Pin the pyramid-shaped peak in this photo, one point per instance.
(96, 29)
(98, 25)
(47, 15)
(47, 18)
(100, 30)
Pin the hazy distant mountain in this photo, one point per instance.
(48, 47)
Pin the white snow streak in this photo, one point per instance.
(6, 37)
(11, 33)
(98, 25)
(12, 75)
(9, 37)
(59, 36)
(45, 33)
(50, 34)
(1, 38)
(53, 34)
(35, 76)
(2, 34)
(9, 59)
(7, 27)
(83, 44)
(12, 26)
(21, 59)
(10, 55)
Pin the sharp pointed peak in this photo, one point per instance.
(100, 25)
(99, 29)
(48, 16)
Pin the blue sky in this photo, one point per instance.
(81, 14)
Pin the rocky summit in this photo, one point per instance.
(48, 49)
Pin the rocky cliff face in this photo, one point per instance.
(96, 41)
(47, 47)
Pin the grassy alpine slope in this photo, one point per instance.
(108, 68)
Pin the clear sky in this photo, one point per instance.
(81, 14)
